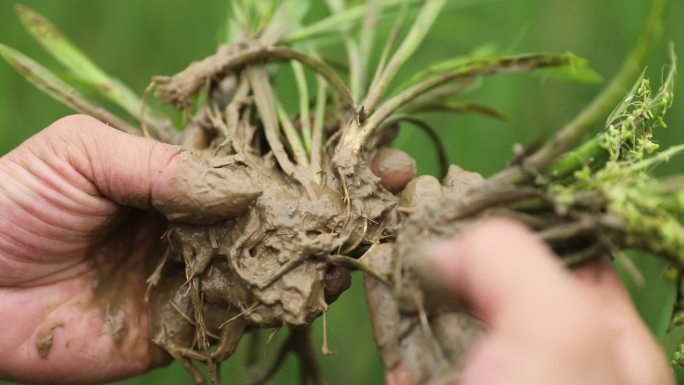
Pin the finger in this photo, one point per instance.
(601, 280)
(146, 174)
(600, 283)
(501, 269)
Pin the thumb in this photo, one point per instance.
(142, 173)
(501, 269)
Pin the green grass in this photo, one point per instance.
(135, 40)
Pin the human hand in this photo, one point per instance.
(546, 325)
(73, 252)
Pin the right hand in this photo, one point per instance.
(545, 324)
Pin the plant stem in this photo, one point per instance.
(391, 39)
(52, 39)
(319, 121)
(597, 110)
(181, 86)
(367, 40)
(334, 22)
(442, 158)
(420, 28)
(652, 161)
(586, 155)
(354, 55)
(292, 137)
(345, 261)
(458, 107)
(49, 83)
(303, 90)
(265, 102)
(466, 70)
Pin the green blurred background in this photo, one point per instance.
(135, 40)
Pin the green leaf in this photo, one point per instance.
(413, 39)
(458, 106)
(76, 61)
(476, 60)
(577, 70)
(288, 17)
(353, 16)
(49, 83)
(570, 67)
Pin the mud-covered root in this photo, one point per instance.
(300, 344)
(176, 328)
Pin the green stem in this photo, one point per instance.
(465, 70)
(291, 134)
(391, 39)
(442, 158)
(415, 37)
(49, 83)
(303, 90)
(265, 102)
(586, 155)
(367, 40)
(319, 121)
(334, 22)
(354, 56)
(52, 39)
(652, 161)
(458, 107)
(598, 109)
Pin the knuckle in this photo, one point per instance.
(73, 125)
(164, 156)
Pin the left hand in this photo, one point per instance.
(78, 228)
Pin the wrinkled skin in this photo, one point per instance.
(546, 325)
(73, 246)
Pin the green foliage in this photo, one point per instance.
(78, 64)
(48, 82)
(616, 164)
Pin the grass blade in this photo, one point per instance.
(303, 91)
(457, 106)
(58, 89)
(319, 122)
(367, 40)
(353, 50)
(576, 69)
(420, 28)
(287, 17)
(293, 139)
(466, 70)
(389, 43)
(342, 19)
(80, 65)
(265, 102)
